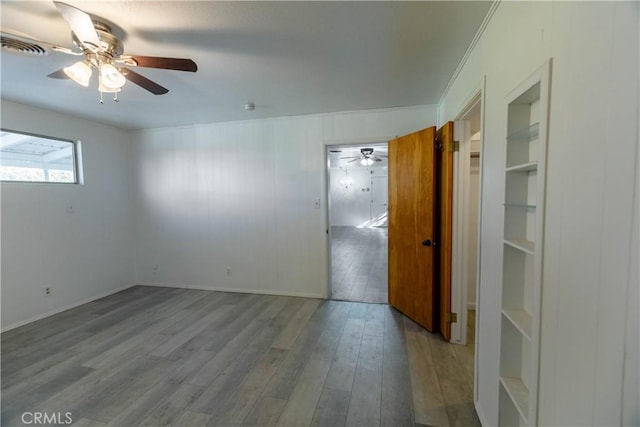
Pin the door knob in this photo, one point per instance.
(426, 242)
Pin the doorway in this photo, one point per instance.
(358, 215)
(466, 222)
(467, 218)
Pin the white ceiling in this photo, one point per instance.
(289, 58)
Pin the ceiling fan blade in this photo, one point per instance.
(350, 157)
(143, 82)
(356, 159)
(60, 74)
(81, 25)
(179, 64)
(376, 158)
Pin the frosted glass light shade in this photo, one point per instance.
(111, 78)
(105, 89)
(79, 72)
(366, 162)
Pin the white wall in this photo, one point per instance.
(242, 196)
(80, 255)
(593, 138)
(350, 202)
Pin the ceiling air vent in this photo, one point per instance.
(22, 47)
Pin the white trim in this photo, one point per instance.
(65, 308)
(480, 413)
(327, 144)
(370, 110)
(460, 214)
(471, 306)
(470, 102)
(466, 237)
(483, 104)
(236, 290)
(458, 230)
(472, 45)
(477, 95)
(358, 141)
(326, 185)
(280, 118)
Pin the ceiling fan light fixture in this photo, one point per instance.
(79, 72)
(110, 78)
(104, 89)
(366, 161)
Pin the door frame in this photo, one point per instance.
(460, 253)
(326, 146)
(461, 238)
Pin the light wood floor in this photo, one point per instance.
(160, 356)
(359, 264)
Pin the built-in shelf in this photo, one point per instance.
(524, 196)
(523, 167)
(523, 245)
(520, 319)
(519, 394)
(526, 134)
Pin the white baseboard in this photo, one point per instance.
(65, 308)
(161, 285)
(471, 306)
(242, 291)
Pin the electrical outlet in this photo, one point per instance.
(47, 292)
(316, 203)
(228, 271)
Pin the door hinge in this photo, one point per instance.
(452, 317)
(449, 146)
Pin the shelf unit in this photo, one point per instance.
(526, 142)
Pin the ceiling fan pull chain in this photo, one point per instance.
(115, 97)
(101, 100)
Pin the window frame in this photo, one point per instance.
(76, 157)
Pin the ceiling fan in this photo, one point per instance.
(94, 40)
(367, 158)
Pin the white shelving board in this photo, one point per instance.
(516, 389)
(521, 319)
(524, 245)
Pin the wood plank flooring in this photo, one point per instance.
(161, 356)
(359, 264)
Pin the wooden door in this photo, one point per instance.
(444, 221)
(411, 191)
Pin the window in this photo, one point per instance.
(33, 158)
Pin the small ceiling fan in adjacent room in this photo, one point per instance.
(100, 50)
(367, 158)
